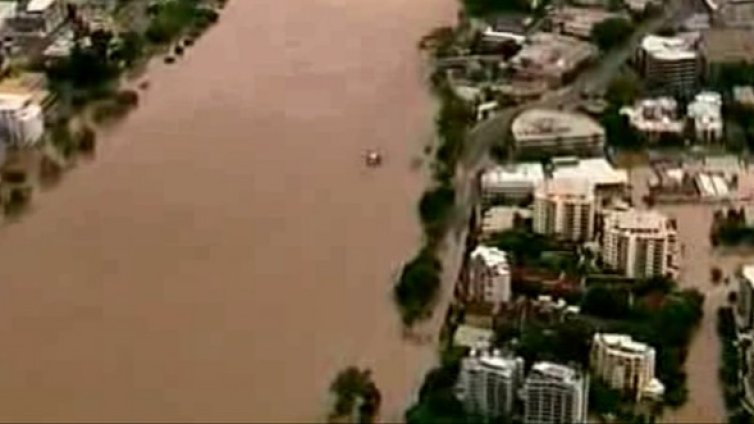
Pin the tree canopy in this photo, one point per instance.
(612, 32)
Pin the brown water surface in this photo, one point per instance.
(228, 251)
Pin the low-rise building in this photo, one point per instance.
(639, 243)
(579, 21)
(514, 182)
(553, 132)
(655, 117)
(670, 65)
(565, 208)
(488, 383)
(501, 218)
(489, 276)
(551, 57)
(732, 13)
(555, 394)
(625, 365)
(705, 113)
(606, 179)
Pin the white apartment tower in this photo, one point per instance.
(488, 383)
(745, 301)
(625, 365)
(671, 65)
(489, 276)
(555, 394)
(640, 244)
(565, 207)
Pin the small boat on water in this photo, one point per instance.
(373, 159)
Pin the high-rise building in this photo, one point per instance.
(640, 244)
(489, 276)
(565, 207)
(488, 383)
(625, 365)
(555, 394)
(670, 65)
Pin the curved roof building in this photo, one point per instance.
(553, 132)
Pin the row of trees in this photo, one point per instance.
(420, 279)
(730, 366)
(731, 229)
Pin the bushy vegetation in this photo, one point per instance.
(417, 286)
(172, 19)
(730, 229)
(619, 132)
(480, 8)
(356, 396)
(612, 32)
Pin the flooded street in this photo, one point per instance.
(705, 403)
(228, 252)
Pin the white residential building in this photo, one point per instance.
(512, 182)
(565, 208)
(639, 243)
(655, 117)
(21, 120)
(706, 114)
(488, 383)
(670, 64)
(555, 394)
(625, 365)
(489, 276)
(579, 21)
(557, 132)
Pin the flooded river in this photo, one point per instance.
(228, 251)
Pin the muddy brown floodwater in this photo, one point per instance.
(228, 252)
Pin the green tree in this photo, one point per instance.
(624, 89)
(354, 387)
(612, 32)
(417, 286)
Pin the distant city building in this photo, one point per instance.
(565, 208)
(639, 243)
(655, 118)
(550, 57)
(625, 365)
(555, 394)
(706, 116)
(745, 301)
(556, 132)
(732, 13)
(489, 276)
(21, 119)
(488, 383)
(670, 65)
(515, 181)
(579, 21)
(606, 179)
(727, 46)
(38, 18)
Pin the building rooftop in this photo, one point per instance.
(555, 371)
(679, 47)
(655, 115)
(644, 221)
(537, 123)
(598, 170)
(500, 218)
(552, 54)
(566, 187)
(38, 5)
(623, 343)
(728, 45)
(492, 257)
(744, 95)
(520, 172)
(506, 365)
(473, 337)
